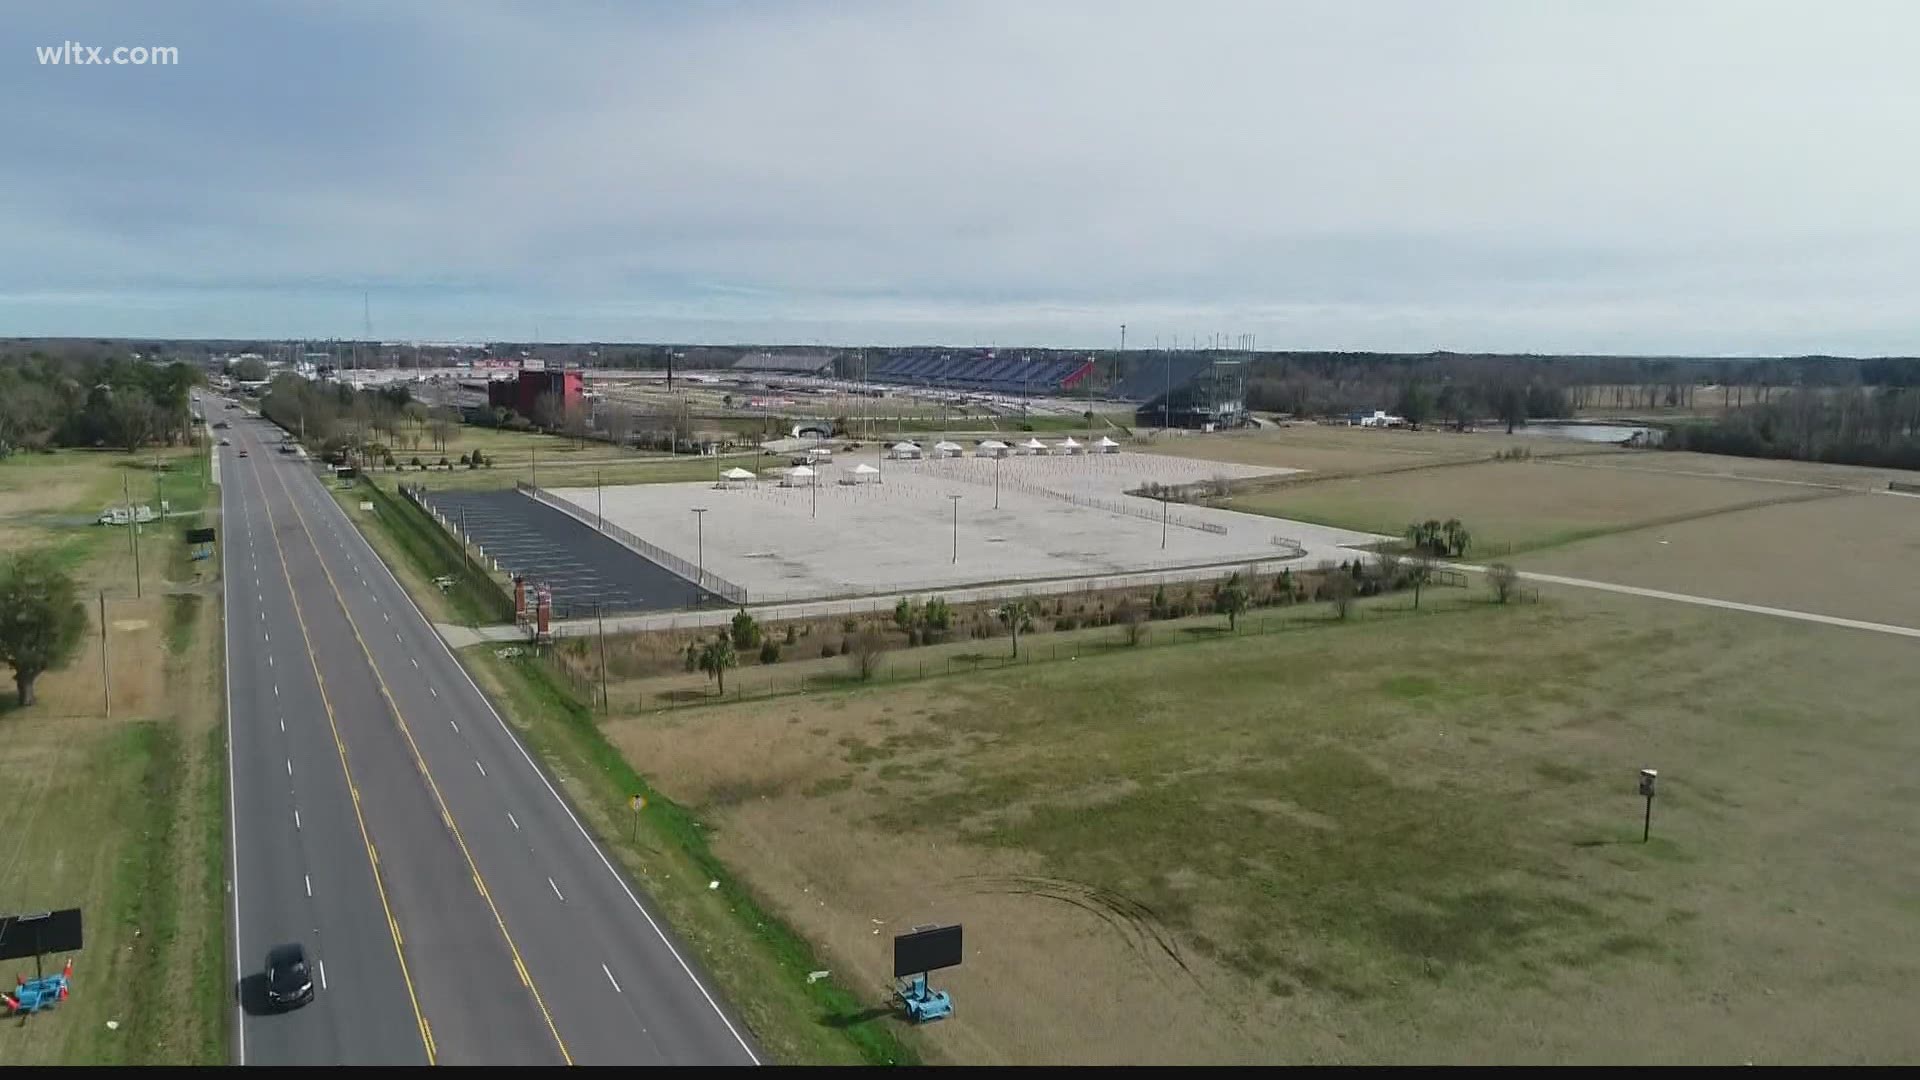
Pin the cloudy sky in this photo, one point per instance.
(1668, 176)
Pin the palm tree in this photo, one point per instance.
(1016, 614)
(716, 657)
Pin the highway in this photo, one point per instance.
(384, 814)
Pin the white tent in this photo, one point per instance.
(864, 473)
(993, 448)
(1108, 446)
(1068, 445)
(1034, 446)
(904, 450)
(798, 473)
(737, 473)
(946, 449)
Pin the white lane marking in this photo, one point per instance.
(323, 974)
(456, 727)
(515, 820)
(263, 616)
(283, 724)
(276, 689)
(482, 768)
(416, 661)
(233, 810)
(616, 986)
(383, 617)
(289, 766)
(269, 659)
(309, 884)
(556, 890)
(436, 693)
(296, 819)
(266, 636)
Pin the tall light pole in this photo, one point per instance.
(599, 507)
(700, 551)
(1163, 523)
(956, 528)
(996, 479)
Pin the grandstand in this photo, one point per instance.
(784, 363)
(988, 374)
(1202, 392)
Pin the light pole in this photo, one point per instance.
(700, 551)
(956, 528)
(814, 483)
(599, 507)
(1163, 523)
(996, 480)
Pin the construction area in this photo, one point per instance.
(883, 525)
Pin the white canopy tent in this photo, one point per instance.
(799, 473)
(993, 448)
(1067, 445)
(1034, 446)
(863, 473)
(1108, 446)
(904, 450)
(946, 449)
(734, 476)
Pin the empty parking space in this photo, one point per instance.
(585, 570)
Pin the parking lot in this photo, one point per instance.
(584, 569)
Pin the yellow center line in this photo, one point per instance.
(479, 882)
(373, 861)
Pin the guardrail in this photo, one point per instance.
(666, 560)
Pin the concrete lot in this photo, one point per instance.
(897, 532)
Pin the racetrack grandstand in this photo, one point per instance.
(988, 373)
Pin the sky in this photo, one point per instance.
(1734, 178)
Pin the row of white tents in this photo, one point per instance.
(907, 451)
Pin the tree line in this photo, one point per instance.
(49, 401)
(1879, 427)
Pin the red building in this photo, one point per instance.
(523, 392)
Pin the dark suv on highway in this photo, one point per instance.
(289, 979)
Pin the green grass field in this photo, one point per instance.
(123, 816)
(1513, 506)
(1410, 837)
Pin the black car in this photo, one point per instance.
(289, 979)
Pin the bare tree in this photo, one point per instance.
(1018, 615)
(864, 650)
(618, 421)
(1390, 566)
(549, 410)
(1504, 580)
(1337, 587)
(132, 417)
(1128, 614)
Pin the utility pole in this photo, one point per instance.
(1163, 523)
(996, 480)
(599, 510)
(466, 561)
(699, 550)
(106, 676)
(956, 528)
(133, 533)
(535, 451)
(600, 610)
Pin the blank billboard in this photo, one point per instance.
(926, 950)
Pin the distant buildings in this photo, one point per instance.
(1198, 392)
(523, 392)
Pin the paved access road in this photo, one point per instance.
(383, 814)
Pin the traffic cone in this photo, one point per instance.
(13, 1003)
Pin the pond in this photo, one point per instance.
(1586, 432)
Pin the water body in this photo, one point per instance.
(1598, 433)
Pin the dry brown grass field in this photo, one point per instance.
(1852, 556)
(1511, 505)
(123, 816)
(1406, 837)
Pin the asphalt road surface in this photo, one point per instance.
(455, 909)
